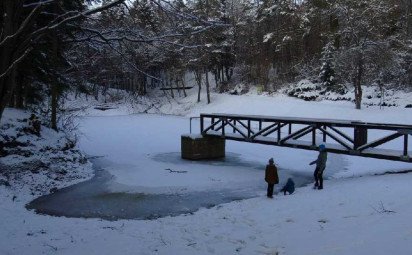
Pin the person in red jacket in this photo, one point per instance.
(271, 177)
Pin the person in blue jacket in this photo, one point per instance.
(320, 166)
(289, 187)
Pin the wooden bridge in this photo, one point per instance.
(339, 136)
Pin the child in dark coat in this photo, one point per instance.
(289, 187)
(271, 177)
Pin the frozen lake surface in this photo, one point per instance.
(95, 199)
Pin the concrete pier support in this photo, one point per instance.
(195, 147)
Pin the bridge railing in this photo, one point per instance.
(340, 136)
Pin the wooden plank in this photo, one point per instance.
(302, 134)
(245, 126)
(394, 155)
(335, 138)
(238, 130)
(263, 130)
(212, 126)
(342, 134)
(275, 129)
(302, 130)
(334, 122)
(380, 141)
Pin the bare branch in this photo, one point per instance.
(74, 17)
(14, 64)
(128, 62)
(23, 25)
(38, 3)
(185, 15)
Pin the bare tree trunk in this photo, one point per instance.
(184, 87)
(170, 82)
(144, 85)
(358, 82)
(18, 94)
(408, 19)
(198, 76)
(215, 75)
(54, 91)
(7, 85)
(176, 80)
(207, 86)
(96, 92)
(229, 73)
(7, 52)
(54, 105)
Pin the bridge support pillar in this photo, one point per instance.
(196, 147)
(360, 136)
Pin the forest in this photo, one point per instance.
(52, 47)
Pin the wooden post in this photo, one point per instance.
(248, 128)
(405, 145)
(314, 136)
(213, 122)
(279, 127)
(360, 136)
(223, 126)
(324, 134)
(260, 125)
(234, 124)
(290, 128)
(201, 124)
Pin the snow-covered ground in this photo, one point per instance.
(357, 212)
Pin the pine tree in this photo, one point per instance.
(327, 70)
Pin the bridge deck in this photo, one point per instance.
(339, 136)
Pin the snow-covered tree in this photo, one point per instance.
(364, 30)
(27, 26)
(327, 70)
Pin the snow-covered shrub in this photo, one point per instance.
(239, 89)
(306, 90)
(378, 96)
(372, 95)
(115, 95)
(34, 126)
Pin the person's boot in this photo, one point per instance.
(320, 187)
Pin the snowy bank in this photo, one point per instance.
(36, 160)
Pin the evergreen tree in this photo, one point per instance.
(327, 70)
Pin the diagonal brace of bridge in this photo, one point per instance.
(339, 136)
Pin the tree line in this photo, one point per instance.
(49, 46)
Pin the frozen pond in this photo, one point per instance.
(140, 174)
(96, 199)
